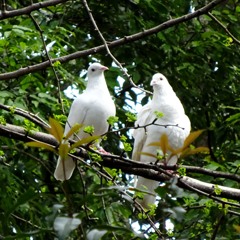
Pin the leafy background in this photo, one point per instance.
(201, 60)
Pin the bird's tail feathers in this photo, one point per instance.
(64, 169)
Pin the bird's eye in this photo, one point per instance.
(93, 69)
(161, 78)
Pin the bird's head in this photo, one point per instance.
(96, 69)
(159, 80)
(160, 84)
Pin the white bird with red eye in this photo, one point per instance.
(177, 129)
(91, 108)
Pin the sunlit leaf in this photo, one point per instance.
(41, 145)
(55, 129)
(189, 151)
(191, 137)
(74, 129)
(84, 141)
(148, 154)
(163, 144)
(237, 228)
(64, 150)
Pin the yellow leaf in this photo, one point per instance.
(237, 228)
(191, 137)
(163, 144)
(148, 154)
(195, 151)
(155, 144)
(55, 129)
(75, 128)
(63, 150)
(84, 141)
(41, 145)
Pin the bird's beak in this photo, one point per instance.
(153, 82)
(104, 68)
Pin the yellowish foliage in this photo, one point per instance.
(186, 150)
(73, 130)
(55, 129)
(40, 145)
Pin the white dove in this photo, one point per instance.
(91, 108)
(177, 129)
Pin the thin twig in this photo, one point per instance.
(28, 222)
(107, 176)
(108, 50)
(224, 27)
(50, 61)
(214, 235)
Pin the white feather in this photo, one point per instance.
(176, 125)
(92, 108)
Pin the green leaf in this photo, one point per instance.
(158, 114)
(89, 129)
(3, 120)
(127, 147)
(25, 197)
(131, 117)
(112, 119)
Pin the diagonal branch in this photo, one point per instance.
(116, 43)
(225, 28)
(27, 10)
(28, 115)
(108, 50)
(50, 60)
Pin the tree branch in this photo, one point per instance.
(108, 50)
(225, 28)
(50, 61)
(27, 10)
(128, 166)
(119, 42)
(28, 115)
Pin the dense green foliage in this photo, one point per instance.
(201, 61)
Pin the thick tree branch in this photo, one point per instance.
(119, 42)
(128, 166)
(27, 10)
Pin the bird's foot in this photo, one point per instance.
(102, 151)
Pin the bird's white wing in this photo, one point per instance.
(77, 114)
(144, 117)
(174, 123)
(92, 108)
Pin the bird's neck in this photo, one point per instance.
(166, 101)
(160, 95)
(97, 83)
